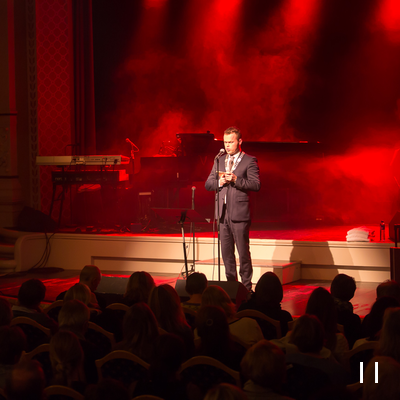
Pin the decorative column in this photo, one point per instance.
(10, 188)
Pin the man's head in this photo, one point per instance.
(196, 283)
(90, 276)
(232, 140)
(31, 293)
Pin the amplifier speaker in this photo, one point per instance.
(235, 290)
(31, 220)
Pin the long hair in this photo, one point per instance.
(139, 286)
(389, 341)
(166, 306)
(322, 305)
(140, 330)
(66, 357)
(213, 329)
(216, 296)
(79, 291)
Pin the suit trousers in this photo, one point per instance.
(236, 233)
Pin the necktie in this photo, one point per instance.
(230, 164)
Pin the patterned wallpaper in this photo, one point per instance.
(54, 87)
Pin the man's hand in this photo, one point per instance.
(222, 180)
(230, 177)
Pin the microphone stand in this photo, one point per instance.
(218, 217)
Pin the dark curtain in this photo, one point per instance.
(85, 128)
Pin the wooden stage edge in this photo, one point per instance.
(163, 254)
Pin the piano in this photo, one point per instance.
(108, 171)
(97, 160)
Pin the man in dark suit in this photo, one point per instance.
(238, 175)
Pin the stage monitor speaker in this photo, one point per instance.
(112, 289)
(235, 290)
(31, 220)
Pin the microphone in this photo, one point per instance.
(193, 189)
(221, 153)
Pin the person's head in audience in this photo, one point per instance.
(268, 289)
(140, 330)
(107, 389)
(12, 344)
(264, 364)
(66, 357)
(165, 303)
(225, 391)
(389, 341)
(79, 292)
(216, 296)
(322, 305)
(387, 386)
(374, 323)
(196, 283)
(343, 287)
(139, 286)
(169, 353)
(31, 293)
(5, 312)
(213, 329)
(308, 334)
(90, 276)
(74, 316)
(25, 382)
(388, 288)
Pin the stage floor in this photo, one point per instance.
(294, 299)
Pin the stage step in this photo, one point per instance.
(287, 271)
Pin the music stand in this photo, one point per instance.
(180, 216)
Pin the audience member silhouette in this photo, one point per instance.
(138, 289)
(166, 306)
(389, 341)
(140, 331)
(264, 370)
(309, 369)
(66, 357)
(216, 342)
(196, 284)
(388, 288)
(387, 384)
(267, 298)
(30, 295)
(12, 344)
(74, 317)
(246, 329)
(169, 353)
(322, 305)
(25, 382)
(81, 292)
(90, 276)
(343, 288)
(371, 328)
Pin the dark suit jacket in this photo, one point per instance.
(237, 197)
